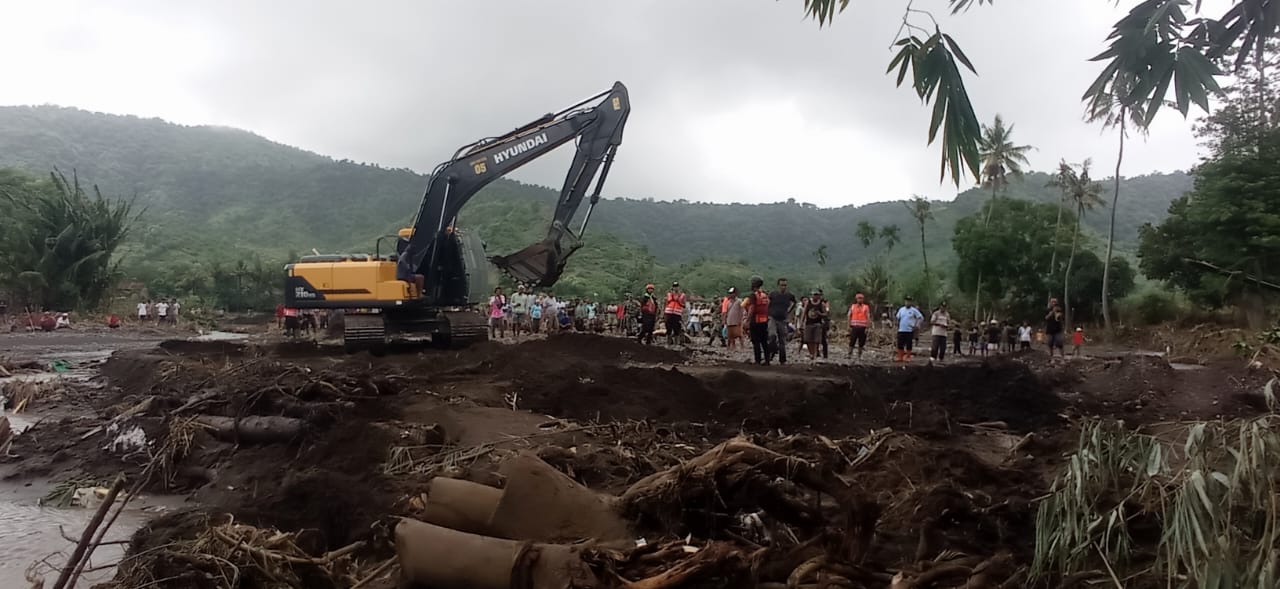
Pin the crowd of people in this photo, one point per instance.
(771, 321)
(159, 311)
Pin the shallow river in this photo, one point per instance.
(30, 533)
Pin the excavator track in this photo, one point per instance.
(364, 332)
(465, 328)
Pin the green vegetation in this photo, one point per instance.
(1220, 243)
(1211, 499)
(225, 210)
(1009, 249)
(57, 243)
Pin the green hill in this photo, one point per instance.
(215, 189)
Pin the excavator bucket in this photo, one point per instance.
(537, 265)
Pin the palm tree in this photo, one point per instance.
(920, 210)
(1062, 181)
(1085, 195)
(892, 235)
(1114, 109)
(866, 233)
(821, 255)
(1001, 158)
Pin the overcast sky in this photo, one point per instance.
(733, 100)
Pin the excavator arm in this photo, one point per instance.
(598, 130)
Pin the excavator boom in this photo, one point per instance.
(598, 131)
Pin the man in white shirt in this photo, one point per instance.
(940, 322)
(162, 312)
(1024, 336)
(142, 312)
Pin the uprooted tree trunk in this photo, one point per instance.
(538, 503)
(255, 429)
(442, 558)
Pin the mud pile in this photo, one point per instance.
(837, 475)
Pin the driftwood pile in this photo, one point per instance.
(763, 519)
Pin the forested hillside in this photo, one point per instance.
(210, 192)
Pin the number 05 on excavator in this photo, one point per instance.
(438, 272)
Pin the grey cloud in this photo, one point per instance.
(403, 83)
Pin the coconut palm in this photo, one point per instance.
(1084, 194)
(1115, 110)
(866, 233)
(892, 235)
(821, 255)
(920, 210)
(1061, 180)
(1001, 159)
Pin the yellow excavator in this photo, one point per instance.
(438, 273)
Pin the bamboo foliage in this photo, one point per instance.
(58, 251)
(1215, 499)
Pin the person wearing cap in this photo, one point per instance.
(939, 323)
(815, 316)
(909, 319)
(732, 312)
(674, 311)
(859, 322)
(648, 315)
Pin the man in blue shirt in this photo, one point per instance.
(909, 319)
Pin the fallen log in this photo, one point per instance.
(538, 503)
(541, 503)
(255, 429)
(441, 558)
(461, 505)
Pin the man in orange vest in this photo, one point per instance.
(674, 313)
(756, 306)
(859, 321)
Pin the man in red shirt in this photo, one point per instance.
(648, 315)
(756, 305)
(859, 321)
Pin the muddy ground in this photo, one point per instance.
(936, 458)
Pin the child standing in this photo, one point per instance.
(1077, 341)
(973, 339)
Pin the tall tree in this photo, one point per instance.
(821, 255)
(921, 211)
(1220, 243)
(1084, 195)
(1001, 159)
(892, 235)
(1061, 179)
(866, 233)
(1118, 111)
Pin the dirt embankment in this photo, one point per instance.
(325, 447)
